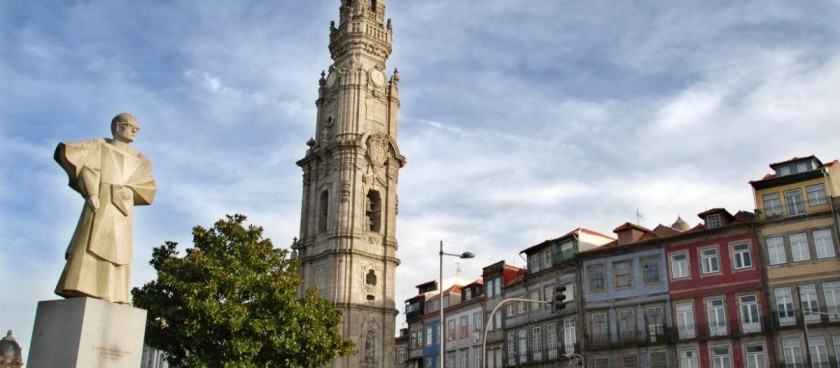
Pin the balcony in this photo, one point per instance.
(729, 328)
(795, 319)
(655, 335)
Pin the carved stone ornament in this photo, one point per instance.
(378, 149)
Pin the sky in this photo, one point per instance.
(520, 120)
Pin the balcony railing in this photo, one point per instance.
(654, 335)
(795, 318)
(723, 328)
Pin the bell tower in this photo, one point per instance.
(348, 243)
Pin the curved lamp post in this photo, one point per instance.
(440, 287)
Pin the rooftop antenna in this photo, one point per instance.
(638, 217)
(457, 268)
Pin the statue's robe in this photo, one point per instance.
(100, 253)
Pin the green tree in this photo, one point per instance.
(232, 301)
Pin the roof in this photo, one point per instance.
(570, 234)
(628, 225)
(795, 159)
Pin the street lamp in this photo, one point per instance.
(440, 292)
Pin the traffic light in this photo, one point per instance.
(559, 297)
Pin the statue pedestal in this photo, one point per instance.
(86, 332)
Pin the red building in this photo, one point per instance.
(717, 293)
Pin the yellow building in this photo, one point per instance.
(798, 232)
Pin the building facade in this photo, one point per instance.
(798, 237)
(348, 243)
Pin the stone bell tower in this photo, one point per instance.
(348, 243)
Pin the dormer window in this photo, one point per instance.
(713, 221)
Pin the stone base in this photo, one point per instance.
(86, 333)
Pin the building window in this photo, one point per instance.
(569, 335)
(429, 336)
(629, 361)
(655, 323)
(793, 200)
(626, 325)
(623, 274)
(713, 221)
(831, 292)
(465, 327)
(679, 265)
(478, 323)
(823, 243)
(535, 295)
(799, 247)
(776, 251)
(546, 257)
(816, 195)
(836, 340)
(370, 278)
(498, 285)
(793, 353)
(651, 269)
(551, 340)
(685, 320)
(772, 205)
(450, 330)
(741, 256)
(523, 346)
(784, 306)
(520, 306)
(688, 359)
(756, 357)
(721, 358)
(750, 319)
(709, 261)
(548, 295)
(602, 362)
(323, 210)
(479, 357)
(428, 361)
(536, 343)
(808, 299)
(716, 316)
(819, 352)
(596, 277)
(509, 309)
(511, 348)
(450, 360)
(600, 329)
(658, 359)
(374, 211)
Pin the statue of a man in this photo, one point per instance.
(112, 178)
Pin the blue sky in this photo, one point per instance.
(520, 120)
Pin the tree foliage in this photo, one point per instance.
(232, 301)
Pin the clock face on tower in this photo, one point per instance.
(377, 77)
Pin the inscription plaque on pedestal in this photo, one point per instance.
(86, 332)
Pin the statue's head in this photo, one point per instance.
(124, 127)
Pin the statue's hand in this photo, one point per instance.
(93, 203)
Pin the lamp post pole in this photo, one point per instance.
(440, 291)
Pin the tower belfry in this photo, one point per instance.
(348, 243)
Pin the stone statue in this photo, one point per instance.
(112, 178)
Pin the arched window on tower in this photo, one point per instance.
(374, 211)
(373, 5)
(370, 278)
(323, 210)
